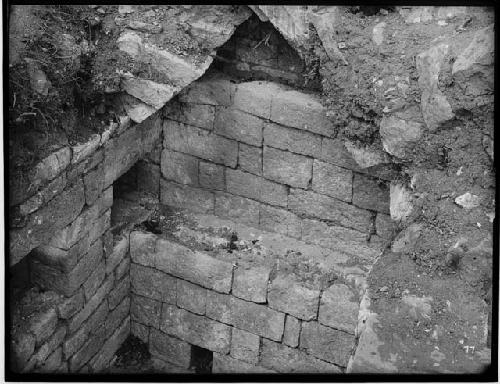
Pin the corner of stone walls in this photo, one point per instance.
(76, 258)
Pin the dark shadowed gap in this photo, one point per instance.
(201, 359)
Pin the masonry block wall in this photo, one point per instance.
(257, 51)
(266, 155)
(81, 316)
(252, 318)
(256, 152)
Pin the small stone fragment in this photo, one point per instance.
(468, 201)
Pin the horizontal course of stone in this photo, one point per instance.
(77, 260)
(254, 317)
(265, 155)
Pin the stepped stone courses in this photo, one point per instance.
(258, 153)
(176, 296)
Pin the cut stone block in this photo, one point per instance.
(258, 319)
(289, 296)
(239, 126)
(287, 168)
(255, 187)
(323, 207)
(299, 110)
(94, 281)
(332, 180)
(293, 140)
(212, 176)
(191, 297)
(101, 360)
(284, 359)
(326, 343)
(67, 283)
(339, 308)
(169, 348)
(178, 167)
(142, 248)
(194, 266)
(208, 91)
(346, 240)
(145, 311)
(250, 159)
(119, 252)
(255, 97)
(140, 331)
(121, 290)
(292, 331)
(280, 221)
(237, 208)
(251, 283)
(89, 307)
(245, 346)
(151, 283)
(200, 143)
(42, 224)
(197, 115)
(182, 196)
(226, 364)
(194, 329)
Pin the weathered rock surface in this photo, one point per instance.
(209, 27)
(398, 134)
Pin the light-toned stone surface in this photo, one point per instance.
(179, 167)
(200, 143)
(152, 283)
(194, 329)
(245, 346)
(191, 297)
(298, 110)
(290, 296)
(257, 319)
(339, 308)
(148, 91)
(239, 126)
(366, 156)
(284, 359)
(286, 167)
(435, 107)
(397, 135)
(400, 202)
(294, 140)
(313, 204)
(326, 343)
(251, 283)
(194, 266)
(331, 180)
(226, 364)
(292, 331)
(169, 348)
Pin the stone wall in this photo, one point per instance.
(258, 153)
(77, 314)
(266, 155)
(257, 51)
(255, 319)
